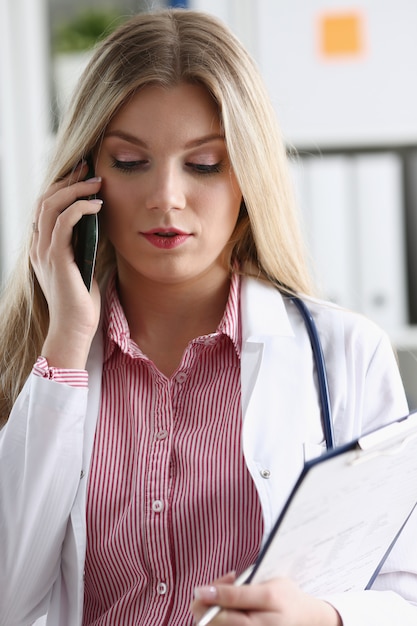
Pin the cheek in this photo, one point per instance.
(228, 207)
(220, 221)
(224, 198)
(115, 205)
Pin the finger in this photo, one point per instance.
(55, 242)
(75, 177)
(64, 198)
(239, 606)
(67, 220)
(202, 601)
(64, 223)
(262, 597)
(227, 579)
(64, 194)
(204, 593)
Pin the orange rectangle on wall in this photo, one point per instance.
(341, 34)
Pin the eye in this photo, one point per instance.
(205, 169)
(129, 166)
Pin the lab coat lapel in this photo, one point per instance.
(278, 392)
(73, 555)
(263, 316)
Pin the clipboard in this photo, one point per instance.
(345, 513)
(343, 516)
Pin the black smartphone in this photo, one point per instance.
(85, 240)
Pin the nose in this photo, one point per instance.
(166, 188)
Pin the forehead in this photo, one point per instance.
(184, 106)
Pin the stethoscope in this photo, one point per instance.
(323, 385)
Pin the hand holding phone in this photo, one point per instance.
(85, 241)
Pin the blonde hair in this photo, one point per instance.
(166, 48)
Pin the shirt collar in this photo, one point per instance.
(116, 328)
(230, 324)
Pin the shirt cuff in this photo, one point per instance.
(74, 378)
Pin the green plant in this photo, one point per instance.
(84, 30)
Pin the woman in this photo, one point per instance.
(158, 422)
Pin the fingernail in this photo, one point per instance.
(95, 179)
(96, 201)
(206, 594)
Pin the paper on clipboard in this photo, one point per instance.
(345, 513)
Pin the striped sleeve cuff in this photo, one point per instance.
(74, 378)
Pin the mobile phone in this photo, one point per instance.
(85, 240)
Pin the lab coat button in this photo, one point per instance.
(82, 474)
(265, 473)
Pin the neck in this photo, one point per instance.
(164, 318)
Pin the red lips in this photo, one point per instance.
(166, 238)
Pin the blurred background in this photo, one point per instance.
(342, 78)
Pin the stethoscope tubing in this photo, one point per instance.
(323, 385)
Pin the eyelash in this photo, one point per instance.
(205, 170)
(129, 167)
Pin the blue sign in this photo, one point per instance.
(178, 3)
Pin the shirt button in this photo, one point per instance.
(157, 506)
(163, 434)
(181, 377)
(161, 589)
(265, 473)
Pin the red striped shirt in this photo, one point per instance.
(75, 378)
(171, 504)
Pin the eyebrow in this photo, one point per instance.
(194, 143)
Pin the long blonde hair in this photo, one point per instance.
(166, 48)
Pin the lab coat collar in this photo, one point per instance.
(263, 311)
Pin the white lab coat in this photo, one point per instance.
(46, 445)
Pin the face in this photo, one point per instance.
(171, 200)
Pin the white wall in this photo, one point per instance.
(240, 15)
(24, 117)
(365, 98)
